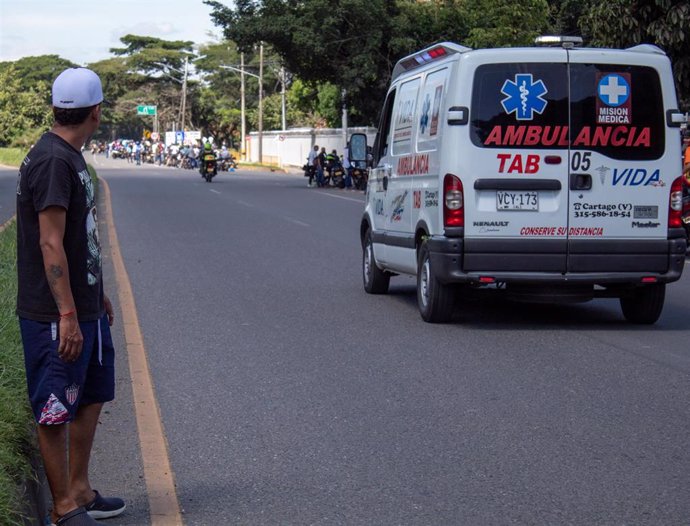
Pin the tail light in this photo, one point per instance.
(675, 210)
(453, 202)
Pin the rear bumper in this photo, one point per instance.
(596, 262)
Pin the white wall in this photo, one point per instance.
(291, 147)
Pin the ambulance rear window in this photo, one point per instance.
(615, 110)
(520, 105)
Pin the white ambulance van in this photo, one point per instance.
(552, 173)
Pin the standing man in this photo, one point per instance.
(311, 163)
(64, 316)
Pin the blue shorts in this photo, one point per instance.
(57, 388)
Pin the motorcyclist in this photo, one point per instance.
(208, 156)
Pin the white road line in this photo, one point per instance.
(244, 203)
(343, 197)
(214, 191)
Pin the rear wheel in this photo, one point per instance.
(644, 304)
(376, 281)
(436, 301)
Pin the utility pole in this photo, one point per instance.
(343, 95)
(243, 126)
(282, 96)
(261, 102)
(184, 93)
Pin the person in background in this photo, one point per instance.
(64, 315)
(206, 157)
(347, 167)
(320, 165)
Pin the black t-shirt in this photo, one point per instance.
(55, 174)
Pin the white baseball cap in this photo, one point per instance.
(77, 88)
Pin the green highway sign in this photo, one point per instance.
(146, 110)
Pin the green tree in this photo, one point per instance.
(143, 53)
(354, 44)
(340, 42)
(147, 70)
(24, 112)
(32, 70)
(666, 23)
(505, 23)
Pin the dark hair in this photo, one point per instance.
(71, 116)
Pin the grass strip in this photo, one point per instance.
(16, 421)
(12, 156)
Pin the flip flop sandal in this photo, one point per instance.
(77, 517)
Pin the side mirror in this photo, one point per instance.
(358, 147)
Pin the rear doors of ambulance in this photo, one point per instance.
(568, 169)
(516, 174)
(621, 170)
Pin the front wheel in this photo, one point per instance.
(644, 305)
(376, 281)
(436, 301)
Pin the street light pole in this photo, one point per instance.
(243, 150)
(261, 102)
(184, 93)
(282, 97)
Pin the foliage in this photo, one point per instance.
(666, 23)
(327, 46)
(33, 70)
(15, 416)
(354, 44)
(144, 52)
(505, 23)
(340, 42)
(565, 16)
(24, 112)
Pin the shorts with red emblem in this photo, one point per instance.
(57, 388)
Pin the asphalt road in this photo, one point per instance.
(289, 396)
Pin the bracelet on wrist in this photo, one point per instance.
(67, 314)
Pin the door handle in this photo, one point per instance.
(385, 183)
(580, 182)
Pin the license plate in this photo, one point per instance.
(517, 200)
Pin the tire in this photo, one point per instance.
(436, 301)
(376, 281)
(644, 305)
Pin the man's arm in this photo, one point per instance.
(51, 223)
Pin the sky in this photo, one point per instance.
(84, 31)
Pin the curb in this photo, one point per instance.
(35, 492)
(7, 223)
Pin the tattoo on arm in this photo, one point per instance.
(54, 273)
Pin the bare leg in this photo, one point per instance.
(81, 433)
(52, 441)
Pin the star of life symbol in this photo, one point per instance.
(613, 90)
(524, 97)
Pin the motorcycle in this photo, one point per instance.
(359, 177)
(337, 175)
(209, 167)
(228, 164)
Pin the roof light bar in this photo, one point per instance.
(557, 40)
(425, 57)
